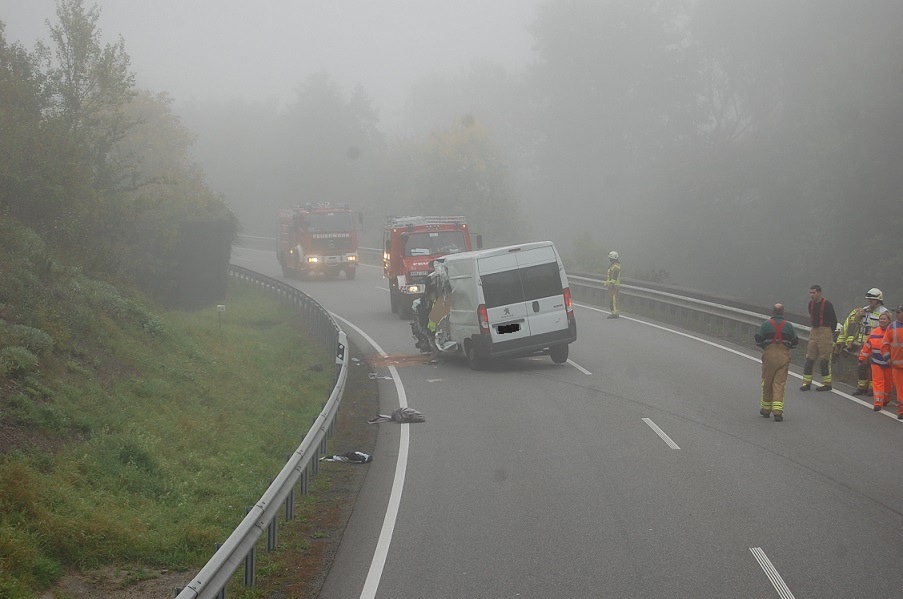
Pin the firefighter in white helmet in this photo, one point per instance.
(613, 282)
(856, 329)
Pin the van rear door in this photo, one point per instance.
(540, 273)
(503, 295)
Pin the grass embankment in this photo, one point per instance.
(133, 435)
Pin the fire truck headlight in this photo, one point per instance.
(312, 259)
(413, 289)
(352, 258)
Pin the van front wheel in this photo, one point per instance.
(473, 360)
(559, 353)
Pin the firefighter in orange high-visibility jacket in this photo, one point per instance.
(873, 350)
(613, 283)
(775, 336)
(892, 351)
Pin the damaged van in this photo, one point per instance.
(507, 302)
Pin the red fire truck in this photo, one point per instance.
(317, 238)
(410, 244)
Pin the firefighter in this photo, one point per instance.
(855, 331)
(873, 351)
(613, 283)
(775, 336)
(821, 338)
(892, 351)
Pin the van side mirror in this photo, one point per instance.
(479, 242)
(360, 219)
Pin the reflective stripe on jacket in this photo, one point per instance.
(893, 343)
(613, 276)
(856, 328)
(874, 348)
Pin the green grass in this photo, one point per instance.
(142, 435)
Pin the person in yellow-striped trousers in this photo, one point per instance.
(776, 336)
(613, 283)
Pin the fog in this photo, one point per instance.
(743, 149)
(201, 50)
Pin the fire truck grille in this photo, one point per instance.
(332, 245)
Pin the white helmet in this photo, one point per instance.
(612, 255)
(875, 294)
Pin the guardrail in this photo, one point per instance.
(240, 547)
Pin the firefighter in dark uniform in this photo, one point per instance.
(776, 337)
(821, 339)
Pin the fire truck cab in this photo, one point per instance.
(317, 238)
(411, 244)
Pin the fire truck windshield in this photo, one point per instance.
(330, 221)
(434, 242)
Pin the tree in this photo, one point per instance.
(455, 171)
(88, 85)
(183, 229)
(328, 144)
(612, 95)
(22, 103)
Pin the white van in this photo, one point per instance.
(508, 302)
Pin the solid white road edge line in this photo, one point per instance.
(739, 353)
(661, 433)
(779, 585)
(371, 584)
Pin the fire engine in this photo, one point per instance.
(317, 238)
(411, 244)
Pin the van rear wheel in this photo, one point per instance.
(473, 359)
(559, 353)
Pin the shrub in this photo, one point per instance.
(34, 340)
(17, 361)
(25, 410)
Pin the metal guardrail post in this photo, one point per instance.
(272, 530)
(250, 558)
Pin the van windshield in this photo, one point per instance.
(521, 285)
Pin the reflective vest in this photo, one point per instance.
(874, 348)
(856, 329)
(613, 277)
(893, 343)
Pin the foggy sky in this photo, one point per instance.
(259, 51)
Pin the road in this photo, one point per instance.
(641, 468)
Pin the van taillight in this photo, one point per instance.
(483, 318)
(568, 304)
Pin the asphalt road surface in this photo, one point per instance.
(640, 468)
